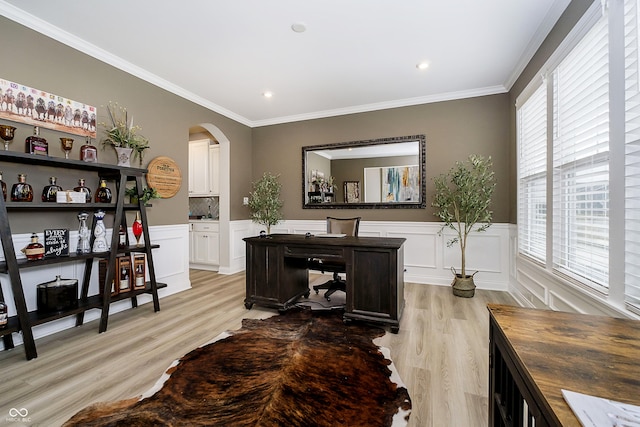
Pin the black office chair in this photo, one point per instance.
(348, 226)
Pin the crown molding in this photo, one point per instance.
(553, 14)
(21, 17)
(430, 99)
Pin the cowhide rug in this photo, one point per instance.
(295, 369)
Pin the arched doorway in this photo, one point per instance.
(224, 198)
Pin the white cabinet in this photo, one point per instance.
(199, 180)
(204, 244)
(204, 168)
(214, 169)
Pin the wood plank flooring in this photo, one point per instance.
(441, 352)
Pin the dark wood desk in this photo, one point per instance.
(534, 354)
(277, 274)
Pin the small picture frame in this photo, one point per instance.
(56, 242)
(123, 274)
(139, 271)
(352, 191)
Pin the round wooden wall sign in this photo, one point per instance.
(163, 174)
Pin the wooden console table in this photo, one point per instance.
(277, 273)
(534, 354)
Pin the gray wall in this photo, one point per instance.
(35, 60)
(453, 129)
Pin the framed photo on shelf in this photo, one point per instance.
(352, 191)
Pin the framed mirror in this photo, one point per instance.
(377, 173)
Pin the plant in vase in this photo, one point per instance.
(264, 201)
(121, 133)
(462, 199)
(147, 194)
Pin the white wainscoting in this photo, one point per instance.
(171, 263)
(427, 259)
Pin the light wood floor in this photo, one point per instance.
(441, 352)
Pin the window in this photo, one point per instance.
(532, 182)
(578, 207)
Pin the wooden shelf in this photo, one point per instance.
(84, 304)
(25, 263)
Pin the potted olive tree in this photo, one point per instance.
(462, 200)
(264, 201)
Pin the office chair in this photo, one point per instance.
(348, 226)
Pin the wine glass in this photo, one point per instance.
(7, 134)
(67, 145)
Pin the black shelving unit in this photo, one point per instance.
(24, 320)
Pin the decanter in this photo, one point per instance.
(35, 249)
(100, 234)
(136, 227)
(88, 152)
(35, 144)
(50, 192)
(122, 237)
(83, 189)
(21, 191)
(83, 234)
(103, 193)
(4, 188)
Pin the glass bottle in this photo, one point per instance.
(35, 249)
(4, 188)
(50, 192)
(100, 234)
(88, 152)
(103, 193)
(122, 237)
(83, 234)
(35, 144)
(139, 283)
(4, 317)
(136, 227)
(124, 279)
(21, 191)
(83, 189)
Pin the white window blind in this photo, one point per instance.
(581, 161)
(632, 155)
(532, 176)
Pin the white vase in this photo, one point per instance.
(124, 156)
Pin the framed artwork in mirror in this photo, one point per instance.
(352, 191)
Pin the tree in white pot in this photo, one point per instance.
(264, 201)
(462, 199)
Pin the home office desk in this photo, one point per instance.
(277, 274)
(534, 354)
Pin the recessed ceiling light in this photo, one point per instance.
(422, 66)
(299, 27)
(267, 94)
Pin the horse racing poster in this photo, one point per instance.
(24, 104)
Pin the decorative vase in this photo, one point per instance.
(124, 156)
(463, 286)
(136, 228)
(100, 233)
(83, 234)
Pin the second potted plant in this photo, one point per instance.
(462, 200)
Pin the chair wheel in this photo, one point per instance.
(317, 291)
(328, 298)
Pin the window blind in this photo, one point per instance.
(581, 161)
(532, 177)
(632, 155)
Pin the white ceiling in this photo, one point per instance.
(355, 55)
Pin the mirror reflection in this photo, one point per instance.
(381, 173)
